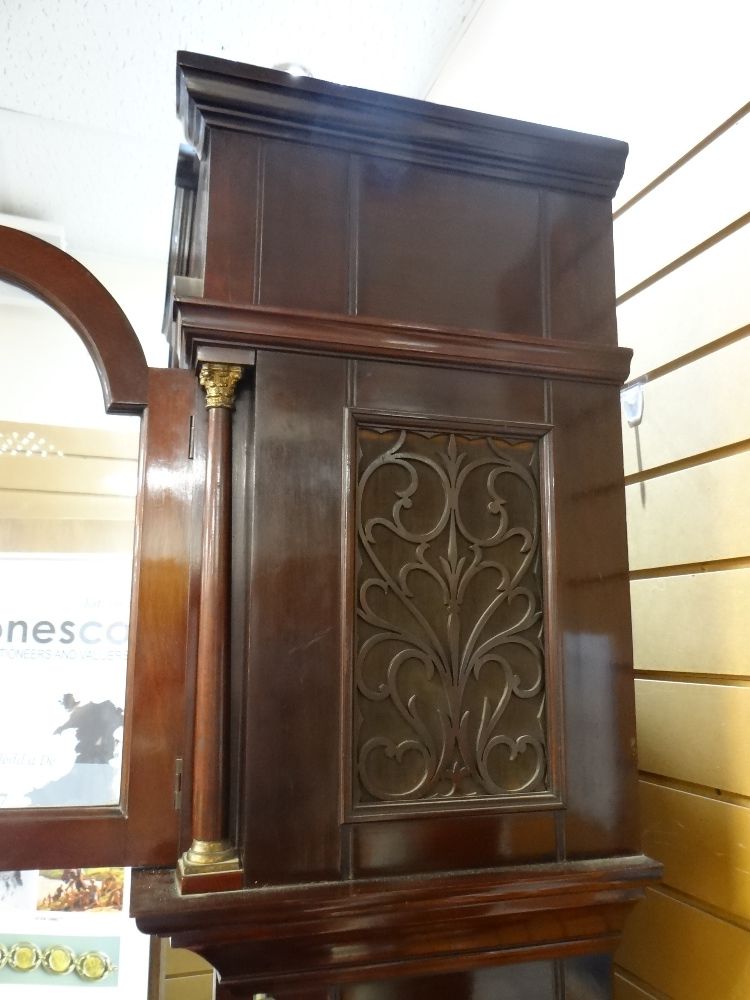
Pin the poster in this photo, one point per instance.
(68, 929)
(63, 664)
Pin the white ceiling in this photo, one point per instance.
(88, 137)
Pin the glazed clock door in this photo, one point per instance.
(90, 490)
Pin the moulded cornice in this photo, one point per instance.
(222, 94)
(202, 323)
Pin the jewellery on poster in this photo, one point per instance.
(57, 959)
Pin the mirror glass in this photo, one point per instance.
(68, 481)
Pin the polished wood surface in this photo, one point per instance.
(160, 620)
(232, 225)
(64, 284)
(210, 743)
(583, 978)
(325, 933)
(211, 852)
(455, 228)
(216, 94)
(427, 293)
(202, 323)
(292, 737)
(361, 204)
(438, 285)
(593, 622)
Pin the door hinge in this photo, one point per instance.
(191, 437)
(178, 784)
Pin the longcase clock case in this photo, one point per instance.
(410, 762)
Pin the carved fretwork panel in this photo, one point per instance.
(448, 663)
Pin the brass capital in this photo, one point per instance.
(219, 381)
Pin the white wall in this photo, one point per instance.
(660, 74)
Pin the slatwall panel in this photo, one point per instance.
(695, 515)
(683, 952)
(695, 305)
(185, 976)
(685, 249)
(82, 500)
(626, 989)
(710, 395)
(676, 217)
(703, 842)
(696, 733)
(665, 610)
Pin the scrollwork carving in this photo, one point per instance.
(449, 660)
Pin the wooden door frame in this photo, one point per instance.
(143, 828)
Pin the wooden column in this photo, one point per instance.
(212, 862)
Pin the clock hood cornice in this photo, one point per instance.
(222, 94)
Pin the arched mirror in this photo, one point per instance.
(68, 485)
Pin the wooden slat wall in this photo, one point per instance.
(683, 259)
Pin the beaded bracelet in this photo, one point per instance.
(57, 959)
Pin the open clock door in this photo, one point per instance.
(94, 542)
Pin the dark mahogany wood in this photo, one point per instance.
(306, 211)
(581, 977)
(203, 323)
(220, 94)
(289, 804)
(428, 293)
(210, 736)
(481, 238)
(161, 584)
(594, 621)
(331, 933)
(211, 861)
(60, 281)
(232, 226)
(355, 203)
(579, 241)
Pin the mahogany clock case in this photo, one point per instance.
(431, 757)
(393, 561)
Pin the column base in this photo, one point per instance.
(209, 866)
